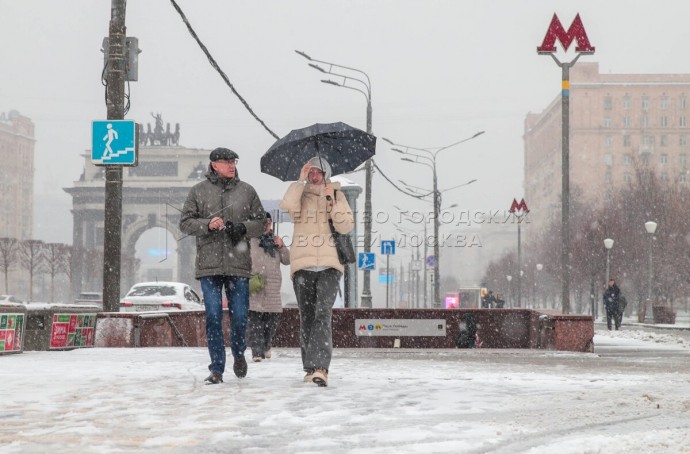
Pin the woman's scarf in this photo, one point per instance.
(266, 241)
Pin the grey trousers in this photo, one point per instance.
(262, 328)
(316, 292)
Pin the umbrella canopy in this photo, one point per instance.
(343, 146)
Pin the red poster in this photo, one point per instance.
(9, 341)
(58, 337)
(72, 323)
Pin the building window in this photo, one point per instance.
(626, 140)
(608, 103)
(626, 177)
(608, 159)
(626, 122)
(627, 159)
(626, 102)
(683, 160)
(664, 140)
(663, 121)
(683, 140)
(645, 104)
(648, 140)
(664, 176)
(608, 140)
(608, 179)
(683, 177)
(644, 121)
(607, 122)
(682, 122)
(663, 158)
(682, 103)
(663, 102)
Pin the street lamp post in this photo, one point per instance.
(608, 244)
(650, 226)
(539, 268)
(510, 290)
(366, 285)
(430, 161)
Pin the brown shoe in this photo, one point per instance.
(310, 375)
(320, 377)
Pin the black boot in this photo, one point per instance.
(240, 367)
(214, 378)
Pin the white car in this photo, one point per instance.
(161, 296)
(9, 299)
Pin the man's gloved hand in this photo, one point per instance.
(235, 231)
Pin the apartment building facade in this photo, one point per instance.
(616, 122)
(17, 144)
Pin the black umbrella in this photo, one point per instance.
(343, 146)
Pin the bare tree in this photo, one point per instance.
(66, 266)
(9, 248)
(31, 257)
(53, 260)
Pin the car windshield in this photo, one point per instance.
(153, 290)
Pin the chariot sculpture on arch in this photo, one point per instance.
(159, 136)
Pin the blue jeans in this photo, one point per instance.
(237, 292)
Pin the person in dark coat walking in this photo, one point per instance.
(223, 212)
(265, 305)
(611, 297)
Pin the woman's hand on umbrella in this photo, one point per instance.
(329, 193)
(278, 241)
(304, 173)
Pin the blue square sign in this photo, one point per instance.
(114, 142)
(367, 261)
(388, 247)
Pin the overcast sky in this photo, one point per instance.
(440, 71)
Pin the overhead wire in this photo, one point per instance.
(213, 63)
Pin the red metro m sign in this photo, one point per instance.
(557, 32)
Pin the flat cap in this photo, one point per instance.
(223, 154)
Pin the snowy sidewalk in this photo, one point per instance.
(391, 401)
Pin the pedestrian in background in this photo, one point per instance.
(265, 306)
(311, 202)
(222, 212)
(611, 296)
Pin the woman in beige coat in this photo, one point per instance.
(315, 267)
(268, 253)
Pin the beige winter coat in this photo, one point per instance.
(268, 299)
(312, 244)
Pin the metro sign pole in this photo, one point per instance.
(557, 32)
(519, 210)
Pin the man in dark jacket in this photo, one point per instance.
(611, 296)
(223, 212)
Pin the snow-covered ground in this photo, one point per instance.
(377, 401)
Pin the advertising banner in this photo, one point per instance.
(11, 332)
(73, 330)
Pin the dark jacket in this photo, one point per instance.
(233, 200)
(611, 296)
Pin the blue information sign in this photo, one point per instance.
(366, 261)
(114, 142)
(388, 247)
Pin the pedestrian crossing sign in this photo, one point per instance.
(114, 142)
